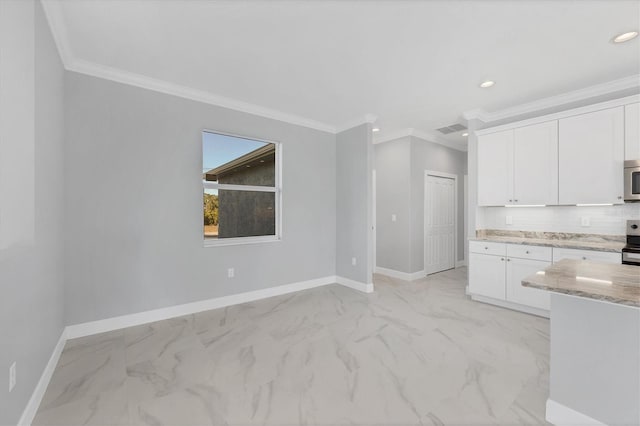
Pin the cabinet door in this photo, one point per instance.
(517, 270)
(591, 157)
(632, 132)
(591, 255)
(535, 164)
(487, 275)
(495, 175)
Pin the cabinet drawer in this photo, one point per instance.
(596, 256)
(530, 252)
(486, 247)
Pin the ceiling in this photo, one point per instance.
(413, 64)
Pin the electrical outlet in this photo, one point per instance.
(394, 218)
(509, 220)
(353, 261)
(231, 273)
(585, 221)
(12, 376)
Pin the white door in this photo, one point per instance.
(374, 219)
(440, 224)
(591, 157)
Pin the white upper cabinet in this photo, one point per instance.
(591, 153)
(495, 169)
(519, 167)
(535, 164)
(632, 132)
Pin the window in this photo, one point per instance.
(241, 189)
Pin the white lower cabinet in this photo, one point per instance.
(486, 277)
(517, 270)
(498, 276)
(496, 271)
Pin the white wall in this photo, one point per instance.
(354, 236)
(31, 200)
(134, 203)
(610, 220)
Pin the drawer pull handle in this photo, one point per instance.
(527, 251)
(486, 248)
(584, 257)
(508, 260)
(502, 259)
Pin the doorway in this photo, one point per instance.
(440, 221)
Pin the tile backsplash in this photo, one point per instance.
(600, 219)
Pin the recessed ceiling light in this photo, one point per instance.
(621, 38)
(487, 83)
(375, 129)
(465, 134)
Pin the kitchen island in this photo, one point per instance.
(595, 342)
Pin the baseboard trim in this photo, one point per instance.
(406, 276)
(355, 285)
(510, 305)
(130, 320)
(561, 415)
(461, 263)
(31, 409)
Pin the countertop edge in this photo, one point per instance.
(582, 294)
(554, 244)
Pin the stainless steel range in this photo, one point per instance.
(631, 252)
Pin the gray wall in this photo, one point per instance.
(595, 359)
(433, 157)
(134, 203)
(393, 196)
(353, 213)
(31, 200)
(400, 167)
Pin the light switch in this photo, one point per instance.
(585, 221)
(394, 218)
(509, 220)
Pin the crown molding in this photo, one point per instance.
(365, 119)
(162, 86)
(422, 135)
(430, 137)
(613, 86)
(389, 136)
(54, 15)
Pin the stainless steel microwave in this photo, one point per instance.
(632, 180)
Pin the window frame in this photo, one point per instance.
(277, 190)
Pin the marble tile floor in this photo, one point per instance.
(411, 353)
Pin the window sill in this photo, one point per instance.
(241, 241)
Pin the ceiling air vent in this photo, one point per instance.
(451, 129)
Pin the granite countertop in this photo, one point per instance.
(609, 243)
(594, 280)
